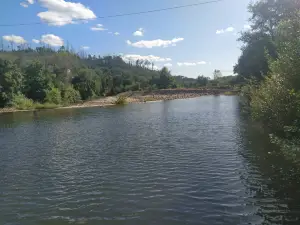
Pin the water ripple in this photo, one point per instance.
(178, 162)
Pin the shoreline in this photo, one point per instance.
(135, 97)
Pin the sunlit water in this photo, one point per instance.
(194, 161)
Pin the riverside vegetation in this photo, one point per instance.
(47, 78)
(270, 63)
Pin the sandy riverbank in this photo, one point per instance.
(139, 97)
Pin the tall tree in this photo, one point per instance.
(258, 42)
(37, 81)
(11, 81)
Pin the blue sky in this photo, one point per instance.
(194, 40)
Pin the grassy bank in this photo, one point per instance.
(24, 104)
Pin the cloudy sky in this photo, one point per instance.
(190, 41)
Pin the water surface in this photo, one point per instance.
(193, 161)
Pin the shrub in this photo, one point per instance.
(53, 96)
(46, 105)
(70, 95)
(21, 102)
(274, 103)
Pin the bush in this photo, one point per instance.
(46, 105)
(21, 102)
(70, 95)
(53, 96)
(274, 103)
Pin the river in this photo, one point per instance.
(192, 161)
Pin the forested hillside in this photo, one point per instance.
(61, 76)
(45, 75)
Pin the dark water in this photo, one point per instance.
(193, 161)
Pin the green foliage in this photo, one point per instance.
(46, 105)
(165, 80)
(53, 96)
(202, 81)
(87, 83)
(37, 81)
(70, 95)
(45, 75)
(261, 38)
(21, 102)
(11, 79)
(275, 101)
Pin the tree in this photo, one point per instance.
(37, 81)
(87, 83)
(11, 81)
(258, 42)
(53, 96)
(276, 101)
(202, 81)
(217, 74)
(70, 95)
(165, 79)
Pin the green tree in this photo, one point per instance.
(277, 100)
(70, 95)
(87, 83)
(258, 42)
(217, 74)
(37, 81)
(11, 81)
(165, 79)
(53, 96)
(202, 81)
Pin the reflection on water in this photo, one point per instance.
(194, 161)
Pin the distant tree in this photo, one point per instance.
(165, 79)
(87, 83)
(202, 81)
(217, 74)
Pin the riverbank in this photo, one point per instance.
(140, 97)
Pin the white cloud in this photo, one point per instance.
(229, 29)
(15, 39)
(36, 41)
(155, 43)
(85, 47)
(222, 31)
(61, 12)
(98, 27)
(150, 58)
(191, 63)
(247, 27)
(52, 40)
(139, 32)
(26, 3)
(168, 65)
(116, 33)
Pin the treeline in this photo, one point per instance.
(44, 77)
(270, 63)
